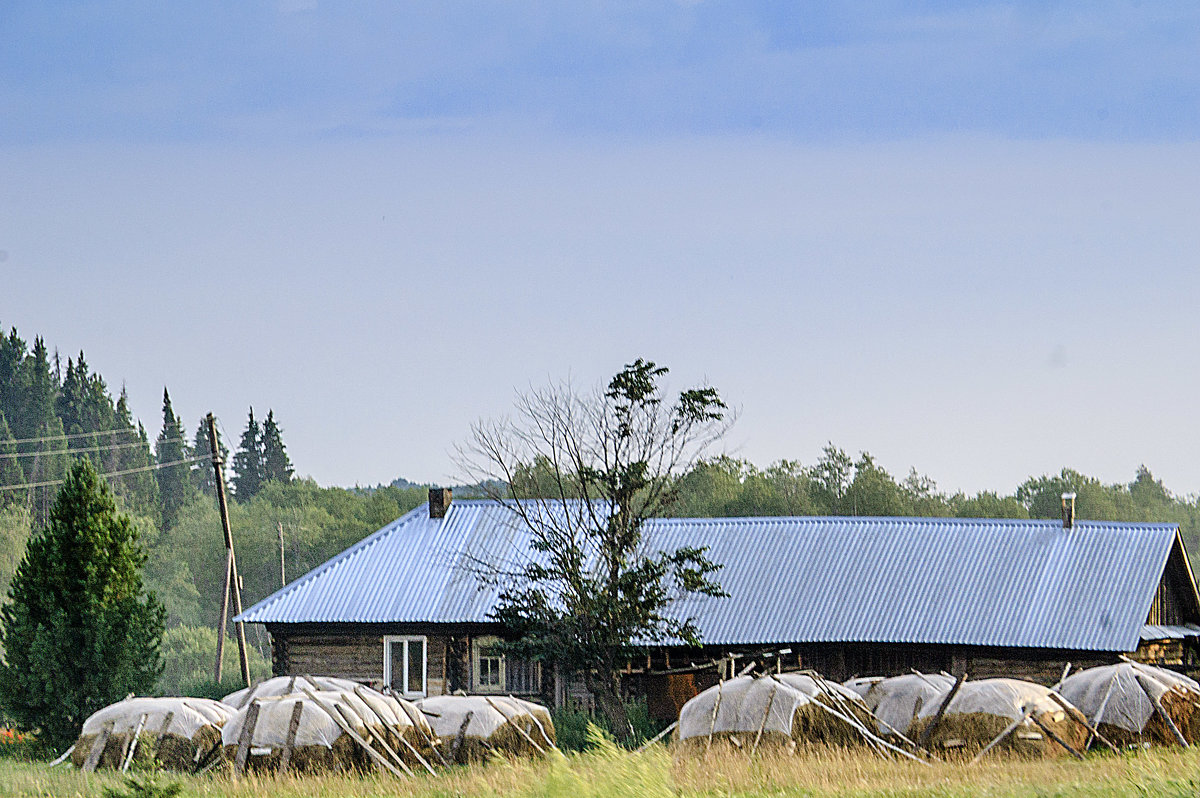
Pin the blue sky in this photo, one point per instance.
(959, 235)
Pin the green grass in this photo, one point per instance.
(606, 771)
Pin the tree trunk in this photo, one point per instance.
(606, 687)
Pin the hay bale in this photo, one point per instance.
(320, 743)
(493, 725)
(193, 733)
(896, 701)
(771, 711)
(981, 710)
(1112, 698)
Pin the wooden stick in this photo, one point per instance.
(462, 733)
(1050, 733)
(372, 736)
(396, 730)
(657, 737)
(245, 737)
(355, 736)
(1077, 716)
(763, 725)
(133, 742)
(289, 742)
(865, 733)
(924, 678)
(749, 667)
(164, 726)
(97, 749)
(1062, 678)
(937, 718)
(416, 722)
(712, 722)
(1002, 735)
(1158, 707)
(538, 723)
(62, 758)
(512, 722)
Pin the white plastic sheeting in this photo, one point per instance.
(747, 704)
(488, 714)
(1111, 694)
(189, 716)
(284, 685)
(896, 701)
(1009, 698)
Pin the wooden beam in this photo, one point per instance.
(937, 718)
(289, 742)
(246, 737)
(101, 740)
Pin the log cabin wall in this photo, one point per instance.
(358, 657)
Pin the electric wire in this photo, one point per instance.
(75, 435)
(91, 449)
(122, 473)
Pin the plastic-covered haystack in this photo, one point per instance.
(774, 710)
(285, 685)
(321, 741)
(896, 702)
(861, 684)
(176, 732)
(497, 723)
(980, 711)
(1122, 706)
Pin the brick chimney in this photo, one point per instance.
(439, 502)
(1068, 510)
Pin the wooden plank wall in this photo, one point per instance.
(357, 657)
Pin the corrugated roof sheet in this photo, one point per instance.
(999, 582)
(1170, 631)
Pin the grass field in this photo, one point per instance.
(611, 772)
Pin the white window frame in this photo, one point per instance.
(388, 641)
(478, 644)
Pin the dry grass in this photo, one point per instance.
(610, 772)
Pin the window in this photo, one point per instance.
(487, 665)
(404, 665)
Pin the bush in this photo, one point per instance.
(571, 726)
(188, 655)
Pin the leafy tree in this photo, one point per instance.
(248, 462)
(203, 477)
(277, 467)
(174, 485)
(591, 587)
(78, 630)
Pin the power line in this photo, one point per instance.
(75, 435)
(92, 449)
(154, 467)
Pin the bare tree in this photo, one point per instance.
(583, 472)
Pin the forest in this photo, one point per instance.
(284, 525)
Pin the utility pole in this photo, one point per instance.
(231, 574)
(282, 571)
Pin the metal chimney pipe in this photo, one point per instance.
(1068, 510)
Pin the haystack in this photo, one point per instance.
(981, 711)
(1123, 701)
(176, 733)
(501, 723)
(896, 702)
(285, 685)
(328, 723)
(779, 711)
(861, 684)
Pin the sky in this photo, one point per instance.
(960, 236)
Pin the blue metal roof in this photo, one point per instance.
(993, 582)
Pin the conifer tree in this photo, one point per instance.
(248, 462)
(276, 464)
(78, 629)
(10, 466)
(12, 352)
(174, 487)
(139, 489)
(203, 477)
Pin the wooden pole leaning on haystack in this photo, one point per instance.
(712, 722)
(93, 758)
(396, 730)
(1158, 707)
(1062, 678)
(289, 742)
(1007, 731)
(937, 718)
(657, 737)
(763, 725)
(512, 722)
(372, 736)
(462, 733)
(231, 574)
(355, 736)
(65, 755)
(416, 722)
(246, 738)
(1103, 705)
(163, 727)
(133, 742)
(823, 686)
(1050, 733)
(1074, 714)
(539, 725)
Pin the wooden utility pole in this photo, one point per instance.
(231, 574)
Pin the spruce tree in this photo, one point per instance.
(248, 462)
(78, 629)
(10, 466)
(276, 464)
(174, 487)
(139, 490)
(203, 477)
